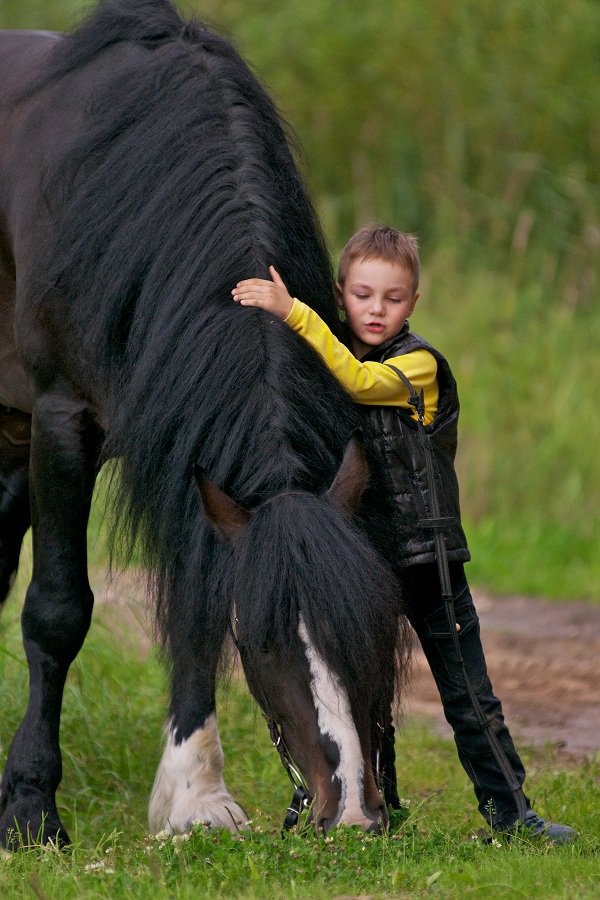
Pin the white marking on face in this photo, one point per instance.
(189, 787)
(335, 722)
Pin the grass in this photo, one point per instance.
(111, 734)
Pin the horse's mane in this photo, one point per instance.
(179, 183)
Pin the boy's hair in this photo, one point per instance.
(382, 242)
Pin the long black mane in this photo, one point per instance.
(179, 183)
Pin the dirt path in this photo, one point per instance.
(544, 662)
(543, 658)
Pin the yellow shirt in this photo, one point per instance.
(371, 383)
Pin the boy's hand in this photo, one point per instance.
(270, 295)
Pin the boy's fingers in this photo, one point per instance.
(254, 295)
(254, 289)
(253, 283)
(252, 298)
(276, 276)
(255, 301)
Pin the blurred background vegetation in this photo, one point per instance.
(475, 125)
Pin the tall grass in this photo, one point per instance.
(528, 464)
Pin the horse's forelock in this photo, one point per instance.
(301, 560)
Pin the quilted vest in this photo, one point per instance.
(395, 436)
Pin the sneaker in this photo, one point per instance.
(534, 826)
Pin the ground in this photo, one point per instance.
(543, 658)
(544, 661)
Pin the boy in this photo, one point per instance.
(377, 290)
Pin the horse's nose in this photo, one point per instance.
(378, 827)
(371, 824)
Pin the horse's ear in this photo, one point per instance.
(227, 517)
(352, 477)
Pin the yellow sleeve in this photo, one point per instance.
(370, 383)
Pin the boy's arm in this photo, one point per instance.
(370, 383)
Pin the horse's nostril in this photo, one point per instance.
(377, 825)
(323, 824)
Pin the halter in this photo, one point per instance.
(301, 799)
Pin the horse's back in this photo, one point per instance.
(37, 121)
(21, 55)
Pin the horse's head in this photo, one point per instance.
(316, 617)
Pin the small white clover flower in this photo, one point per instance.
(99, 866)
(180, 838)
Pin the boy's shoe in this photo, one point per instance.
(534, 826)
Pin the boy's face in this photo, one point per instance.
(378, 298)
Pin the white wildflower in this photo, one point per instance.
(99, 866)
(180, 838)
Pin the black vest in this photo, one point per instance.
(396, 440)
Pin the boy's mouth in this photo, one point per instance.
(374, 327)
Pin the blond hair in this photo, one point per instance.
(382, 242)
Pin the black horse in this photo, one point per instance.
(143, 171)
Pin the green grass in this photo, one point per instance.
(111, 735)
(534, 558)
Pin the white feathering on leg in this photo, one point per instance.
(189, 787)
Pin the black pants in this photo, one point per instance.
(427, 614)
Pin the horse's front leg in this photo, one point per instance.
(56, 613)
(189, 788)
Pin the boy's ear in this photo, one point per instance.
(339, 295)
(414, 303)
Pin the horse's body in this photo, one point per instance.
(143, 171)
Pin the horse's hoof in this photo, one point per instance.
(24, 825)
(221, 812)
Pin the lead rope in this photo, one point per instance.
(437, 524)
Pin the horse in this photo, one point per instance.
(143, 171)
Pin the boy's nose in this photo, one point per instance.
(377, 306)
